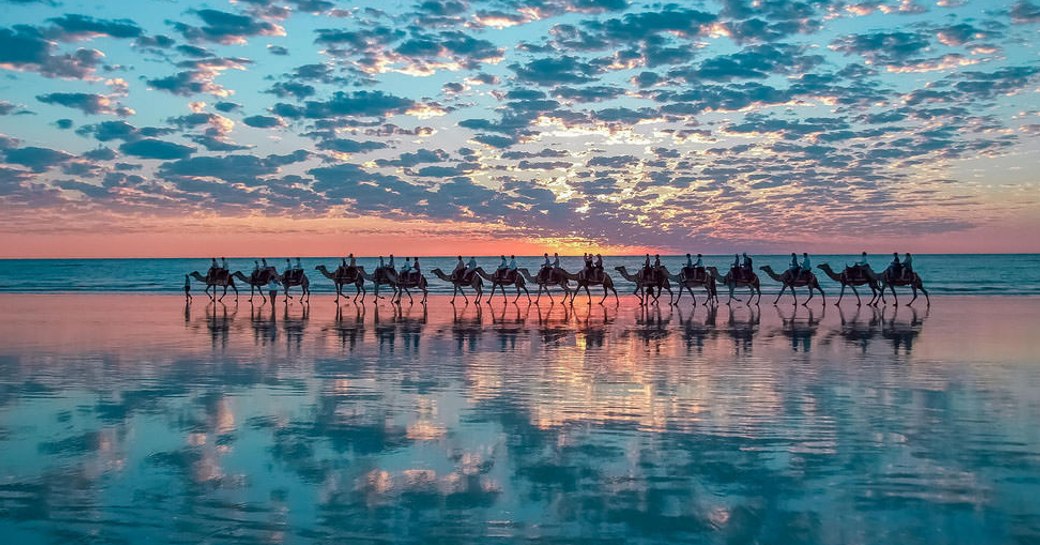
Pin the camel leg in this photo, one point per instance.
(913, 289)
(601, 301)
(731, 288)
(925, 292)
(810, 288)
(779, 295)
(517, 298)
(895, 295)
(587, 293)
(842, 294)
(527, 292)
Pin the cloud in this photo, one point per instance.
(226, 28)
(151, 148)
(72, 27)
(35, 158)
(26, 48)
(262, 121)
(87, 103)
(357, 103)
(1025, 12)
(555, 71)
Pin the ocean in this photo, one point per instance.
(949, 274)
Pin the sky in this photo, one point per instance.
(158, 128)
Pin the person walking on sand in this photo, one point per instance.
(272, 290)
(187, 288)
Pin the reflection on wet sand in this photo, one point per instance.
(134, 419)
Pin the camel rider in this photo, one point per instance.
(263, 262)
(503, 265)
(353, 261)
(406, 267)
(806, 266)
(588, 262)
(698, 267)
(223, 263)
(793, 269)
(908, 266)
(512, 267)
(299, 266)
(746, 265)
(256, 266)
(543, 273)
(658, 268)
(471, 267)
(896, 267)
(689, 261)
(556, 261)
(416, 272)
(390, 263)
(460, 267)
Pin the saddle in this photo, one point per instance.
(218, 274)
(694, 274)
(505, 275)
(544, 275)
(293, 275)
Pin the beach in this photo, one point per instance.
(129, 417)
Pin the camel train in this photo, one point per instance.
(650, 282)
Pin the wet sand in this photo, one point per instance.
(133, 417)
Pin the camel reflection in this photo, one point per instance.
(509, 323)
(800, 326)
(863, 326)
(743, 329)
(903, 331)
(467, 325)
(218, 323)
(349, 331)
(652, 326)
(694, 332)
(406, 320)
(554, 327)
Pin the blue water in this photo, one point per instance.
(942, 274)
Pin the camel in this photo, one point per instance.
(343, 277)
(848, 277)
(220, 279)
(806, 279)
(457, 284)
(688, 283)
(257, 280)
(584, 281)
(295, 277)
(381, 276)
(545, 283)
(888, 280)
(752, 283)
(402, 285)
(646, 285)
(500, 282)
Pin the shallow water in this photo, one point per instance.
(133, 418)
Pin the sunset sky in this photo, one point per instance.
(314, 127)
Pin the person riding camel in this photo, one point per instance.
(471, 268)
(735, 270)
(223, 264)
(460, 267)
(588, 264)
(256, 266)
(599, 268)
(747, 265)
(405, 270)
(895, 268)
(416, 271)
(299, 266)
(545, 271)
(350, 267)
(511, 269)
(658, 274)
(806, 265)
(908, 267)
(698, 268)
(263, 263)
(503, 265)
(794, 268)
